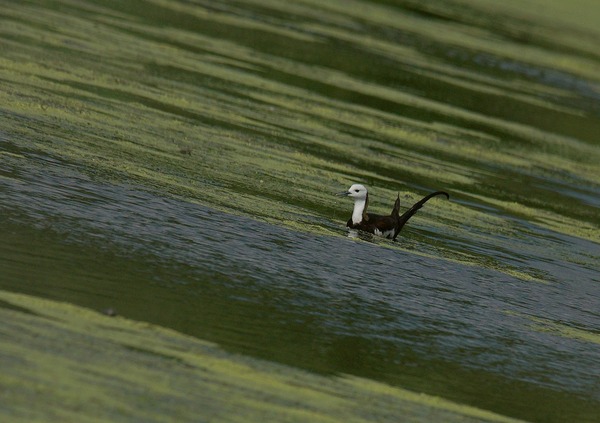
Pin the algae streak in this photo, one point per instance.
(66, 363)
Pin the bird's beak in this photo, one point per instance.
(343, 193)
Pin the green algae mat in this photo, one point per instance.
(66, 363)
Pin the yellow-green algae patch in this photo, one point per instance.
(65, 363)
(560, 224)
(560, 329)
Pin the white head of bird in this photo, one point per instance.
(361, 198)
(357, 191)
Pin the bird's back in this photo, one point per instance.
(377, 224)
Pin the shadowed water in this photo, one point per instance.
(177, 162)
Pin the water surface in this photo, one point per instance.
(176, 161)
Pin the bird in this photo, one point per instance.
(385, 226)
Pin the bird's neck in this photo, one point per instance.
(359, 213)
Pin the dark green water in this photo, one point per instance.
(176, 161)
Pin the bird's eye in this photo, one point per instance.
(355, 190)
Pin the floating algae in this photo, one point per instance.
(66, 363)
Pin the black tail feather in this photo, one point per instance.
(410, 212)
(396, 211)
